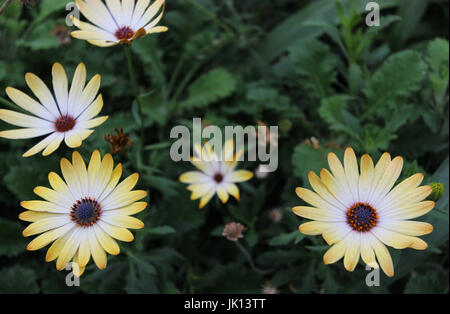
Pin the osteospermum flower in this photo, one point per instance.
(84, 212)
(216, 175)
(68, 116)
(116, 22)
(359, 212)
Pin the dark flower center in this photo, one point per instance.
(218, 177)
(65, 123)
(124, 33)
(85, 212)
(362, 217)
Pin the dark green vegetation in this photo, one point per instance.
(312, 67)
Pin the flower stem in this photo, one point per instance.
(4, 5)
(135, 90)
(250, 260)
(211, 15)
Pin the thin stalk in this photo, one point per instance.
(210, 15)
(250, 260)
(135, 90)
(5, 5)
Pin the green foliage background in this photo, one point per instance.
(311, 67)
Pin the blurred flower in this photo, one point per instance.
(438, 191)
(62, 34)
(28, 3)
(262, 171)
(312, 141)
(216, 175)
(360, 213)
(276, 215)
(270, 138)
(84, 213)
(116, 22)
(68, 117)
(119, 142)
(233, 231)
(268, 289)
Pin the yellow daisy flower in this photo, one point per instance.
(68, 116)
(216, 175)
(84, 212)
(118, 22)
(359, 212)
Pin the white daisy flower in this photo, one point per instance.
(84, 213)
(117, 22)
(359, 212)
(68, 116)
(216, 175)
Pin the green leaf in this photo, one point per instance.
(12, 243)
(162, 230)
(211, 87)
(334, 111)
(286, 238)
(18, 279)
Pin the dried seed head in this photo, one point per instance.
(119, 142)
(276, 215)
(233, 231)
(62, 34)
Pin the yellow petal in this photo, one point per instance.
(108, 243)
(118, 233)
(98, 253)
(240, 176)
(193, 177)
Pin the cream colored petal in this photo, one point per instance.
(92, 123)
(103, 43)
(84, 253)
(29, 104)
(157, 29)
(53, 196)
(314, 227)
(43, 206)
(383, 256)
(118, 233)
(60, 87)
(61, 187)
(336, 252)
(312, 198)
(233, 190)
(98, 253)
(80, 169)
(55, 249)
(24, 133)
(139, 10)
(88, 95)
(336, 232)
(408, 227)
(113, 202)
(387, 181)
(115, 177)
(91, 35)
(398, 240)
(351, 172)
(69, 249)
(127, 11)
(76, 89)
(131, 209)
(71, 178)
(53, 144)
(317, 214)
(409, 211)
(128, 222)
(32, 216)
(97, 15)
(116, 10)
(206, 198)
(365, 178)
(40, 145)
(106, 35)
(200, 189)
(93, 171)
(323, 192)
(239, 176)
(367, 253)
(194, 177)
(380, 168)
(103, 176)
(222, 193)
(339, 191)
(150, 13)
(46, 238)
(352, 252)
(92, 110)
(108, 243)
(23, 120)
(41, 91)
